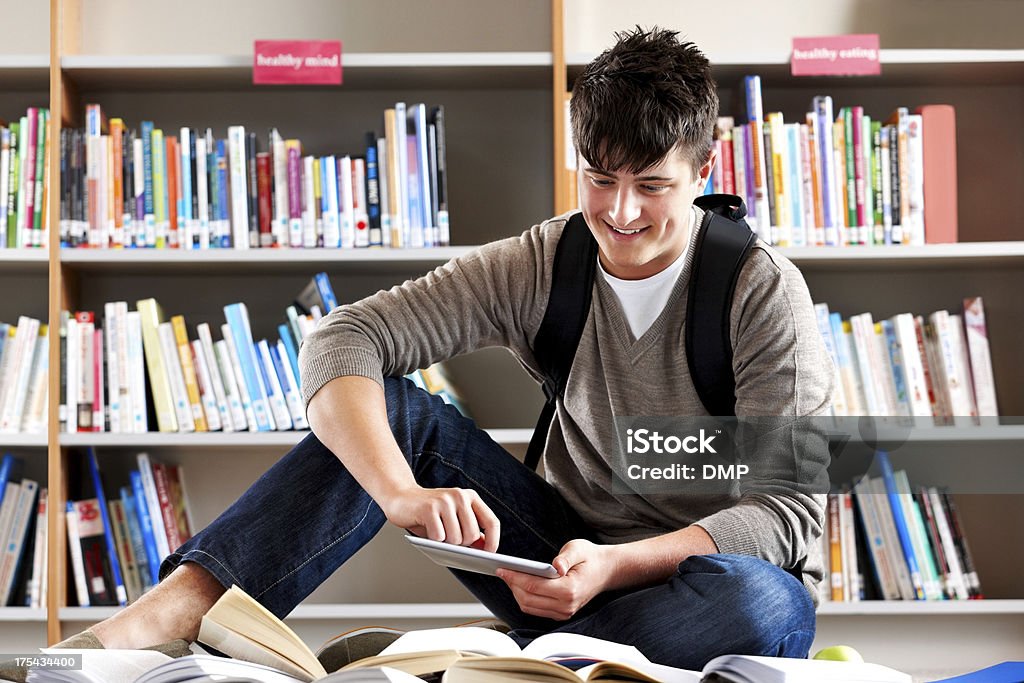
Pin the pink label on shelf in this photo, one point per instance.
(296, 62)
(851, 55)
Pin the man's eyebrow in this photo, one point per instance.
(645, 179)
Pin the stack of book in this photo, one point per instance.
(939, 369)
(22, 537)
(884, 540)
(144, 188)
(23, 176)
(841, 178)
(116, 546)
(24, 364)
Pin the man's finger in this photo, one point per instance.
(489, 523)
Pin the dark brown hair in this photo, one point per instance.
(644, 97)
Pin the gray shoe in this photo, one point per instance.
(87, 640)
(355, 645)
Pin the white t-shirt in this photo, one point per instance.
(643, 300)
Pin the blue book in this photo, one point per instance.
(222, 192)
(108, 531)
(902, 530)
(185, 200)
(1007, 672)
(323, 285)
(6, 469)
(135, 537)
(238, 321)
(146, 527)
(146, 133)
(290, 349)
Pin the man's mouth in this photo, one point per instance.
(625, 232)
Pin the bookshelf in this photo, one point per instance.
(506, 140)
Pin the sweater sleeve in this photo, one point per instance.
(783, 374)
(493, 296)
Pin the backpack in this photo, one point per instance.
(722, 246)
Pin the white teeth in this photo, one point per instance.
(627, 232)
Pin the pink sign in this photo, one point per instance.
(296, 62)
(852, 55)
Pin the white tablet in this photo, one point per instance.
(479, 561)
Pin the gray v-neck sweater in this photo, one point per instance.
(496, 296)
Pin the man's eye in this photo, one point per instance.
(654, 188)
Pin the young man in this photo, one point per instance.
(683, 578)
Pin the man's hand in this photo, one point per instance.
(585, 570)
(457, 516)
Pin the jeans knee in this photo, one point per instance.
(769, 608)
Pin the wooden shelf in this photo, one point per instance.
(24, 72)
(959, 255)
(150, 261)
(361, 71)
(22, 614)
(22, 441)
(899, 67)
(272, 440)
(24, 261)
(911, 608)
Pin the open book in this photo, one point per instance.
(240, 627)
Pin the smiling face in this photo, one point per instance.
(641, 221)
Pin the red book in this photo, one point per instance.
(173, 188)
(938, 122)
(263, 197)
(163, 494)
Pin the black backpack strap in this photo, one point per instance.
(719, 254)
(555, 345)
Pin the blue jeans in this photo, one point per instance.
(307, 515)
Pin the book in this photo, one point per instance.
(240, 627)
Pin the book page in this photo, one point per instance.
(109, 666)
(566, 645)
(483, 641)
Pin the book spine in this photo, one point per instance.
(981, 360)
(149, 535)
(275, 392)
(224, 405)
(135, 539)
(240, 380)
(150, 317)
(264, 204)
(120, 593)
(167, 515)
(279, 164)
(175, 378)
(189, 373)
(186, 162)
(75, 550)
(901, 523)
(252, 190)
(238, 322)
(152, 499)
(346, 202)
(206, 391)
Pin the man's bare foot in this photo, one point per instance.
(171, 610)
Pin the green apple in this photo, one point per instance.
(839, 653)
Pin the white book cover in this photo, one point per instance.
(851, 569)
(5, 172)
(153, 504)
(839, 403)
(239, 379)
(275, 393)
(329, 204)
(23, 511)
(38, 580)
(26, 341)
(99, 392)
(308, 204)
(913, 367)
(206, 392)
(863, 341)
(956, 325)
(75, 550)
(239, 184)
(981, 360)
(186, 224)
(36, 416)
(915, 177)
(86, 375)
(72, 376)
(7, 368)
(880, 499)
(280, 172)
(232, 394)
(955, 384)
(202, 194)
(419, 144)
(849, 370)
(111, 330)
(875, 540)
(217, 381)
(176, 378)
(123, 367)
(291, 391)
(346, 208)
(136, 373)
(360, 216)
(12, 493)
(409, 239)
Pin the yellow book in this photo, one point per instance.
(151, 315)
(188, 367)
(393, 180)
